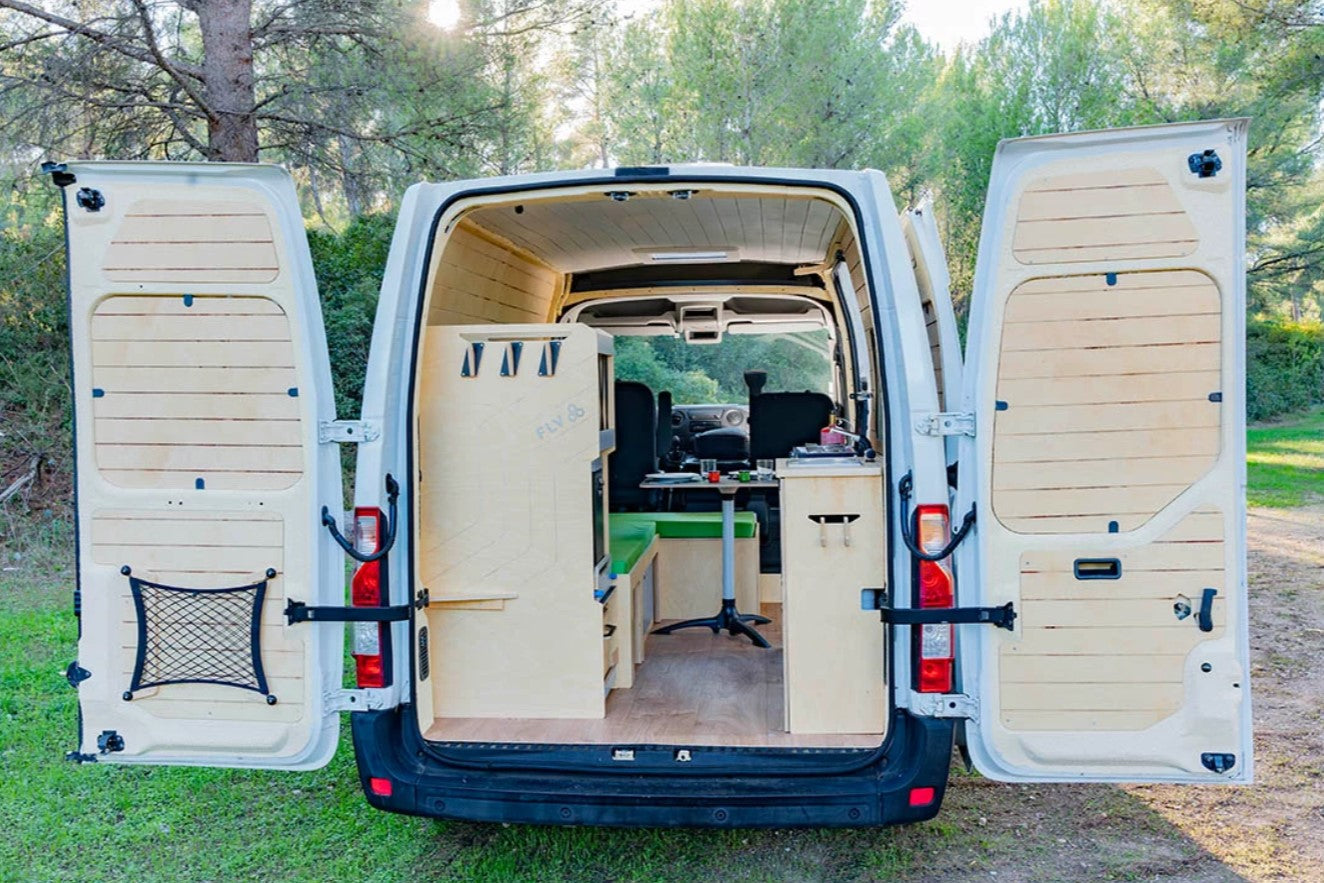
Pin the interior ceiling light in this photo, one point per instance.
(687, 255)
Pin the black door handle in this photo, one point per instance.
(1207, 610)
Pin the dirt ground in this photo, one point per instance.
(1273, 830)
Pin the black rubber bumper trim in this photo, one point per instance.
(877, 794)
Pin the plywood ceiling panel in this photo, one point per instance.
(595, 234)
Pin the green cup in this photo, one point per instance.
(744, 475)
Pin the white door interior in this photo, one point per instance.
(200, 375)
(1105, 368)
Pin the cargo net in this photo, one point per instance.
(198, 636)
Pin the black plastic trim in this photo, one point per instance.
(566, 791)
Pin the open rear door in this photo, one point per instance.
(200, 375)
(935, 297)
(1106, 373)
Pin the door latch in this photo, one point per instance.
(946, 423)
(347, 432)
(946, 705)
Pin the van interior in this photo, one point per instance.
(549, 570)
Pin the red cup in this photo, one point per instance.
(714, 476)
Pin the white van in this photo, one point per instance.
(1037, 552)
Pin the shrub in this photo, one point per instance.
(1284, 367)
(349, 267)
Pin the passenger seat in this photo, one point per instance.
(779, 421)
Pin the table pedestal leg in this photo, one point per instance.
(728, 618)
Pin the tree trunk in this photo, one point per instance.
(227, 73)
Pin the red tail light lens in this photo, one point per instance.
(383, 788)
(922, 796)
(935, 645)
(365, 590)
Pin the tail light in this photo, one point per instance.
(367, 588)
(935, 650)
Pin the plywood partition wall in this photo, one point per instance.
(509, 422)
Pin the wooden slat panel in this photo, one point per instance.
(1174, 300)
(1136, 199)
(1178, 637)
(162, 529)
(1154, 556)
(1014, 504)
(1192, 385)
(1117, 643)
(201, 326)
(196, 391)
(1100, 446)
(192, 242)
(1071, 218)
(1048, 586)
(1107, 362)
(201, 458)
(1111, 613)
(117, 380)
(1137, 696)
(247, 559)
(241, 406)
(193, 353)
(1066, 474)
(166, 431)
(1120, 331)
(175, 227)
(1118, 252)
(165, 305)
(1081, 721)
(1104, 669)
(1106, 417)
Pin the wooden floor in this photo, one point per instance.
(694, 688)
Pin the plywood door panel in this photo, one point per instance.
(195, 391)
(1087, 216)
(1129, 621)
(194, 241)
(1100, 435)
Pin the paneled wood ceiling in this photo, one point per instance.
(575, 236)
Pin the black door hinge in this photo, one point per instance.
(297, 611)
(59, 172)
(1003, 617)
(110, 741)
(1218, 762)
(75, 674)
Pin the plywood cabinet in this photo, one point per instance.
(834, 543)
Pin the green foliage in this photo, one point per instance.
(1285, 463)
(705, 373)
(1284, 367)
(34, 364)
(349, 266)
(638, 360)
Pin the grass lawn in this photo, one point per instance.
(1285, 462)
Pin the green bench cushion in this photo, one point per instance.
(628, 542)
(689, 525)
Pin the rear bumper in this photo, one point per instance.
(722, 789)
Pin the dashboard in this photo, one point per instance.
(688, 421)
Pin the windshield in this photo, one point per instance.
(714, 372)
